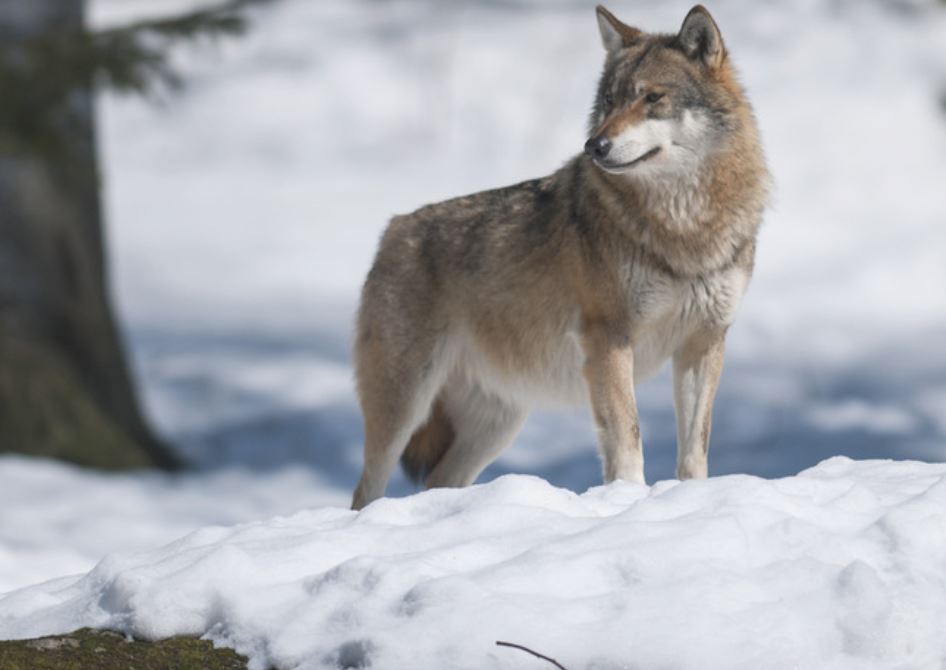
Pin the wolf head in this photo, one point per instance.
(665, 103)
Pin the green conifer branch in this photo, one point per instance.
(38, 74)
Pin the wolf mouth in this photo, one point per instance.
(619, 166)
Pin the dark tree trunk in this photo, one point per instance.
(65, 389)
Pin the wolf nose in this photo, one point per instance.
(598, 147)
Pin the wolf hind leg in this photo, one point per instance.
(396, 395)
(428, 444)
(483, 425)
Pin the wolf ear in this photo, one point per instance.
(614, 34)
(700, 39)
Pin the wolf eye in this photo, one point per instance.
(608, 99)
(653, 97)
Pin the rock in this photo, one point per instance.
(50, 643)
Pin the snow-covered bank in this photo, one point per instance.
(841, 566)
(57, 519)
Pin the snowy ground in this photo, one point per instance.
(243, 216)
(59, 520)
(839, 567)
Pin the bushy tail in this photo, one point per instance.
(428, 445)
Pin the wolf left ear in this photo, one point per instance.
(614, 33)
(700, 38)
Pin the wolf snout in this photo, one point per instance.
(598, 147)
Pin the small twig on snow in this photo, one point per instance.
(530, 651)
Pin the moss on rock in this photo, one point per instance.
(88, 649)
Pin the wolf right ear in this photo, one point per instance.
(700, 38)
(614, 34)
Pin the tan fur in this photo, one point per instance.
(615, 123)
(562, 290)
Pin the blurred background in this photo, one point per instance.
(191, 194)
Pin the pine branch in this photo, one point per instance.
(134, 58)
(39, 74)
(224, 19)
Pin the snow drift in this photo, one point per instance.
(841, 566)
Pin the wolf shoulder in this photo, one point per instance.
(482, 232)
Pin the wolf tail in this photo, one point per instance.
(428, 444)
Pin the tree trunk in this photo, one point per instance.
(65, 389)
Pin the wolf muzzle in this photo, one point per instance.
(598, 147)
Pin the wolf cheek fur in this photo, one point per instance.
(572, 287)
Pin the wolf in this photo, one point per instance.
(574, 287)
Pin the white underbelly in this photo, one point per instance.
(559, 381)
(554, 380)
(652, 348)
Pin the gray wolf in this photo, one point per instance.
(573, 287)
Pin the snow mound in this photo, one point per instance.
(58, 519)
(841, 566)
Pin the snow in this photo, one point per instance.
(61, 520)
(841, 566)
(243, 215)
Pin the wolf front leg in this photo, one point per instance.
(697, 367)
(609, 372)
